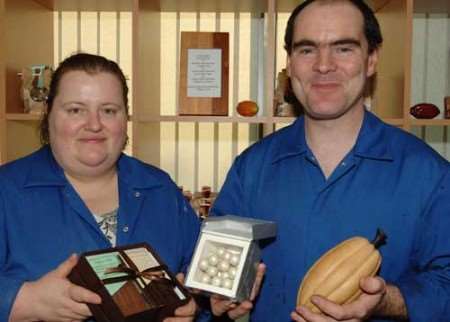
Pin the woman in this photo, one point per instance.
(79, 192)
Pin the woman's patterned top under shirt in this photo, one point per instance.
(108, 225)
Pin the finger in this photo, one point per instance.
(241, 309)
(69, 310)
(373, 285)
(304, 314)
(75, 311)
(179, 319)
(66, 267)
(80, 311)
(219, 305)
(330, 308)
(82, 295)
(260, 271)
(187, 310)
(180, 278)
(296, 317)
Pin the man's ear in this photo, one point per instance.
(288, 65)
(372, 63)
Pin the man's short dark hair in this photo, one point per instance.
(371, 27)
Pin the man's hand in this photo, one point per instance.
(220, 306)
(53, 298)
(185, 313)
(374, 290)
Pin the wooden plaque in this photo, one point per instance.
(204, 64)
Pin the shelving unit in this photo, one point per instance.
(19, 18)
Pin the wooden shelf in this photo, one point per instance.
(27, 117)
(23, 117)
(432, 122)
(216, 119)
(255, 6)
(87, 5)
(435, 6)
(239, 119)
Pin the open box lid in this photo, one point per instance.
(243, 227)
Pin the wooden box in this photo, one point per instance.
(133, 282)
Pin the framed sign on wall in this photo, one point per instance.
(204, 65)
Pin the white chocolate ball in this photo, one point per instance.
(224, 275)
(216, 281)
(205, 279)
(227, 256)
(232, 272)
(234, 260)
(227, 283)
(221, 251)
(213, 260)
(203, 265)
(212, 271)
(223, 266)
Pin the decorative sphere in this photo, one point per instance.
(247, 108)
(221, 251)
(227, 256)
(224, 275)
(212, 271)
(227, 283)
(203, 265)
(223, 266)
(216, 281)
(213, 260)
(232, 272)
(205, 279)
(234, 260)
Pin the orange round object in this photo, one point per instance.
(247, 108)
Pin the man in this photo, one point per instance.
(340, 172)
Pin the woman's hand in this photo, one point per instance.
(185, 313)
(374, 290)
(53, 298)
(234, 310)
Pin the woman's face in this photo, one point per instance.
(87, 123)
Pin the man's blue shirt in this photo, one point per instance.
(389, 180)
(43, 220)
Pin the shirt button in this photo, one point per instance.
(343, 164)
(137, 194)
(125, 229)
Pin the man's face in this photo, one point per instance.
(329, 64)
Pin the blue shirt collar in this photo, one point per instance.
(135, 178)
(287, 146)
(45, 171)
(371, 142)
